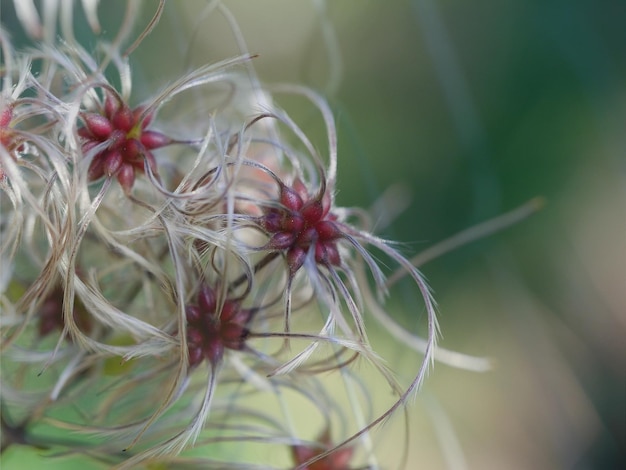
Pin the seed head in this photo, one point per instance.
(212, 328)
(300, 223)
(129, 142)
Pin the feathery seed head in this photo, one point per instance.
(212, 328)
(128, 142)
(302, 222)
(249, 193)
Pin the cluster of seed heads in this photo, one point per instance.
(161, 275)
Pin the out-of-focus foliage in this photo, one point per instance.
(477, 107)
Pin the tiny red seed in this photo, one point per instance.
(112, 162)
(99, 126)
(293, 223)
(272, 221)
(332, 254)
(327, 253)
(229, 309)
(192, 313)
(307, 237)
(123, 119)
(132, 150)
(206, 299)
(195, 355)
(85, 133)
(153, 140)
(281, 240)
(111, 103)
(194, 337)
(214, 350)
(295, 259)
(290, 199)
(96, 168)
(312, 212)
(126, 177)
(327, 230)
(232, 335)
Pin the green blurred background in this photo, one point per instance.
(475, 108)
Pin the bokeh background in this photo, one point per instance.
(470, 109)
